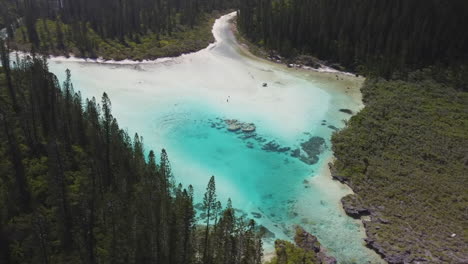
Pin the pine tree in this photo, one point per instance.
(209, 205)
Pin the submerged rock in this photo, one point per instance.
(313, 148)
(235, 125)
(198, 206)
(296, 153)
(256, 215)
(248, 128)
(273, 146)
(247, 136)
(347, 111)
(266, 233)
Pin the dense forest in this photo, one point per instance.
(138, 29)
(367, 36)
(406, 154)
(75, 188)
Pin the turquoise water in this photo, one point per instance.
(180, 104)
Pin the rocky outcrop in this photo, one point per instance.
(398, 258)
(235, 125)
(324, 259)
(306, 240)
(353, 206)
(308, 61)
(335, 175)
(309, 242)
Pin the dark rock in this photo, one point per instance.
(248, 135)
(296, 153)
(334, 174)
(265, 232)
(272, 146)
(384, 221)
(391, 258)
(256, 215)
(310, 242)
(324, 259)
(370, 243)
(337, 66)
(264, 84)
(308, 61)
(353, 206)
(250, 145)
(198, 206)
(260, 139)
(313, 148)
(333, 127)
(306, 240)
(285, 149)
(347, 111)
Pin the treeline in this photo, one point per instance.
(75, 188)
(117, 19)
(84, 26)
(368, 36)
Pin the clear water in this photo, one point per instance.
(179, 104)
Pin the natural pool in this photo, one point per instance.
(180, 103)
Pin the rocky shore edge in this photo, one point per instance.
(354, 207)
(306, 249)
(309, 242)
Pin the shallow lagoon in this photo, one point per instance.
(180, 103)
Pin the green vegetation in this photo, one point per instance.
(133, 29)
(288, 253)
(75, 188)
(405, 156)
(364, 36)
(306, 250)
(149, 46)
